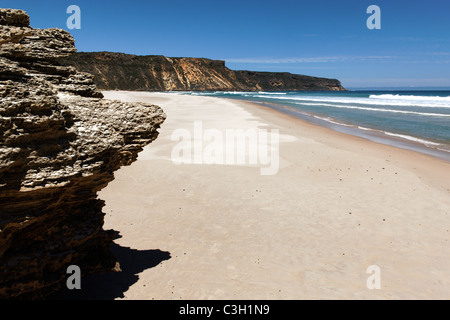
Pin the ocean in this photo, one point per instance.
(414, 120)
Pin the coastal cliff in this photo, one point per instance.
(60, 143)
(119, 71)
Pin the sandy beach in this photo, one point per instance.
(337, 205)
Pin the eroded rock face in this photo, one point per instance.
(14, 17)
(60, 143)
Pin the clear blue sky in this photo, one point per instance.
(325, 38)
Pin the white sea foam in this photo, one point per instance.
(365, 129)
(272, 93)
(233, 92)
(412, 102)
(375, 109)
(403, 136)
(445, 150)
(414, 98)
(330, 120)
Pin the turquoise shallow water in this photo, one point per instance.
(414, 118)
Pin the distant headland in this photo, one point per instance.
(119, 71)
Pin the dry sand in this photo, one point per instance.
(338, 205)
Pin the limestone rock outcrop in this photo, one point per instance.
(158, 73)
(60, 143)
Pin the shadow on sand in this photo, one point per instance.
(112, 285)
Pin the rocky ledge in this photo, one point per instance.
(60, 143)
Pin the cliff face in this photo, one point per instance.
(158, 73)
(60, 143)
